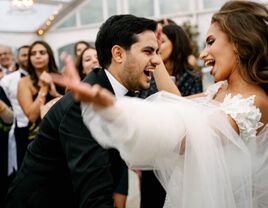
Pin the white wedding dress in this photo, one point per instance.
(217, 169)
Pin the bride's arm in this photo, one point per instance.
(165, 83)
(134, 127)
(163, 80)
(161, 76)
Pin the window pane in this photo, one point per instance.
(91, 13)
(173, 6)
(211, 4)
(69, 49)
(141, 7)
(111, 7)
(70, 22)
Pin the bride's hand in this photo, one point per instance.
(158, 34)
(82, 91)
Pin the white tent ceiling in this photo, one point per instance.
(14, 20)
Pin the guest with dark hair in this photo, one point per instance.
(34, 90)
(87, 61)
(79, 47)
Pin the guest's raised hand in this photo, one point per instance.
(45, 78)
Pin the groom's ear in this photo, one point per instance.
(118, 53)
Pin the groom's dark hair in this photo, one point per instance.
(120, 30)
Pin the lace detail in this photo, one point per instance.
(246, 115)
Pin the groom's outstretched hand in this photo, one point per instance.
(82, 91)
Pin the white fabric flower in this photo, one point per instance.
(246, 115)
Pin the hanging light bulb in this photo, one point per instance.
(22, 4)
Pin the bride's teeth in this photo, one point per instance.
(209, 62)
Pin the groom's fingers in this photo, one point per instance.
(82, 92)
(93, 94)
(105, 98)
(70, 70)
(58, 79)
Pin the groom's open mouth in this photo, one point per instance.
(148, 73)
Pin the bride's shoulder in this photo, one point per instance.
(247, 110)
(261, 102)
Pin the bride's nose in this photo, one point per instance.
(203, 54)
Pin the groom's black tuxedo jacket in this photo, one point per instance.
(64, 166)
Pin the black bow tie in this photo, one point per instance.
(131, 94)
(22, 75)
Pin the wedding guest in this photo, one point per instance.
(34, 90)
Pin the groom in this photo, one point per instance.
(64, 166)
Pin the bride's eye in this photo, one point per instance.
(210, 41)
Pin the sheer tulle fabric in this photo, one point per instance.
(216, 168)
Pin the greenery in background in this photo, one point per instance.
(192, 32)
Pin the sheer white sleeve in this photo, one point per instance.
(142, 131)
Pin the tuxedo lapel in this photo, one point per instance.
(98, 76)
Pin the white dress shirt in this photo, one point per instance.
(119, 89)
(10, 85)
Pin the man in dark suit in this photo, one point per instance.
(64, 166)
(6, 119)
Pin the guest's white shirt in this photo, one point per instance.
(7, 70)
(10, 85)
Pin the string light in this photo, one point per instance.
(52, 17)
(48, 23)
(22, 4)
(42, 30)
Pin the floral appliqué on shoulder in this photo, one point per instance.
(246, 115)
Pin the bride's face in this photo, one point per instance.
(219, 53)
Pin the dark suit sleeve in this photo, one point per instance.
(3, 97)
(87, 161)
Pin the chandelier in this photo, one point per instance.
(22, 4)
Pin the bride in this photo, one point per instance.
(207, 151)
